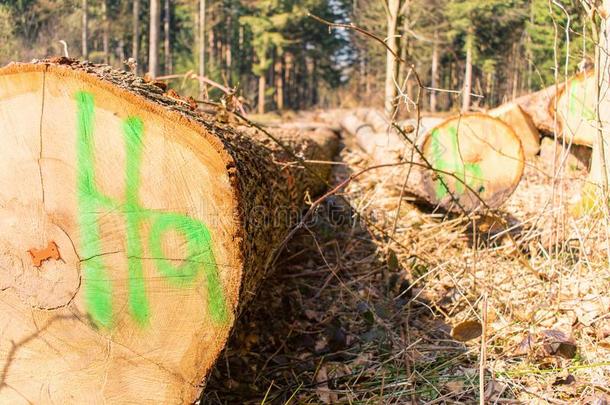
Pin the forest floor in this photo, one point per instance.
(362, 306)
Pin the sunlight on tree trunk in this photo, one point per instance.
(85, 34)
(154, 37)
(105, 32)
(167, 53)
(600, 163)
(467, 74)
(434, 72)
(279, 82)
(390, 72)
(135, 46)
(202, 38)
(262, 84)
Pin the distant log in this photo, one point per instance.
(576, 110)
(469, 161)
(538, 106)
(375, 118)
(133, 230)
(522, 124)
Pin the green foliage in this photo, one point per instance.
(7, 39)
(546, 29)
(247, 39)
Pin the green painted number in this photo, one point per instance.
(470, 174)
(97, 283)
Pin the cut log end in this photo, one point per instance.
(522, 124)
(124, 247)
(477, 160)
(576, 110)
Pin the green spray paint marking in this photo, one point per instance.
(98, 287)
(469, 173)
(578, 105)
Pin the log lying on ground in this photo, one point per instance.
(468, 161)
(576, 110)
(538, 106)
(132, 232)
(522, 123)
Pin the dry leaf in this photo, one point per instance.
(557, 343)
(467, 330)
(322, 390)
(455, 386)
(569, 379)
(526, 346)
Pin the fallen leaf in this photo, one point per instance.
(557, 343)
(526, 346)
(467, 330)
(569, 379)
(455, 386)
(322, 390)
(392, 261)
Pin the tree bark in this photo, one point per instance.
(468, 163)
(135, 45)
(136, 233)
(85, 30)
(391, 63)
(154, 38)
(468, 74)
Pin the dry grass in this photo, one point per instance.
(358, 312)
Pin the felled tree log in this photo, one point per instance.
(576, 110)
(466, 163)
(538, 106)
(522, 123)
(133, 230)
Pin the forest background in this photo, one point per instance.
(278, 57)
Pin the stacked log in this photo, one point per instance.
(513, 115)
(463, 164)
(133, 231)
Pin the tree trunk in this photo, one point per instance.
(594, 196)
(85, 30)
(279, 82)
(391, 63)
(105, 32)
(403, 68)
(135, 46)
(120, 50)
(262, 87)
(211, 44)
(470, 162)
(154, 38)
(167, 52)
(434, 73)
(468, 74)
(202, 39)
(136, 233)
